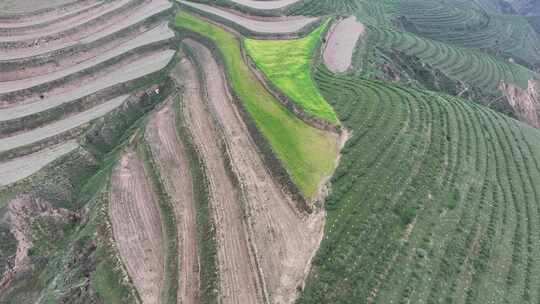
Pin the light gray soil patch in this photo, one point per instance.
(137, 226)
(341, 43)
(91, 35)
(238, 274)
(265, 4)
(144, 39)
(285, 239)
(137, 69)
(65, 25)
(169, 154)
(53, 15)
(24, 6)
(20, 168)
(280, 25)
(60, 126)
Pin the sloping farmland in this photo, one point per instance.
(261, 25)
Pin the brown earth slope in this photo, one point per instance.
(526, 103)
(168, 152)
(136, 224)
(239, 281)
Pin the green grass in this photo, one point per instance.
(307, 153)
(287, 64)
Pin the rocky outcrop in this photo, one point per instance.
(525, 102)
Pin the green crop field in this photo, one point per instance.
(435, 201)
(308, 154)
(287, 64)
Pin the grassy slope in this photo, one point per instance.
(287, 64)
(464, 24)
(469, 66)
(307, 153)
(457, 22)
(462, 179)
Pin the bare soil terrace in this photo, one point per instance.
(238, 273)
(168, 152)
(144, 39)
(137, 69)
(58, 27)
(284, 238)
(137, 227)
(45, 15)
(59, 127)
(19, 168)
(24, 6)
(119, 21)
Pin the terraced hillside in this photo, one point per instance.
(73, 76)
(276, 151)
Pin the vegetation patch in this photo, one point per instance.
(287, 64)
(434, 201)
(307, 153)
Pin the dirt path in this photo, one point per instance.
(159, 34)
(237, 268)
(137, 69)
(169, 154)
(265, 4)
(20, 168)
(60, 126)
(113, 25)
(270, 25)
(285, 240)
(341, 43)
(136, 225)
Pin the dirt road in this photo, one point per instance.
(136, 225)
(285, 239)
(120, 22)
(168, 152)
(238, 274)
